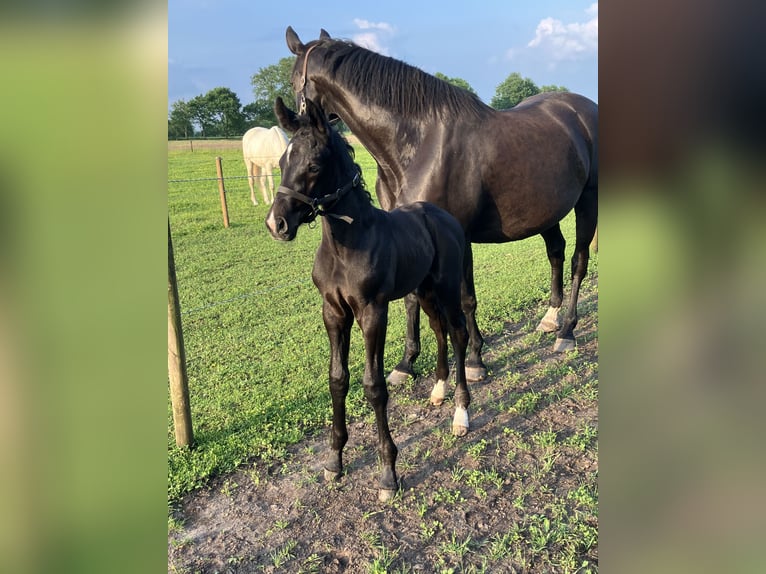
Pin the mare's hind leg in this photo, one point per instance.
(554, 246)
(337, 321)
(412, 342)
(586, 213)
(373, 321)
(475, 369)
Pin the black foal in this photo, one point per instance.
(368, 257)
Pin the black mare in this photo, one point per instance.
(368, 257)
(505, 175)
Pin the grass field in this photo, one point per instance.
(257, 353)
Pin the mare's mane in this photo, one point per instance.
(394, 85)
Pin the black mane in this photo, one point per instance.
(340, 149)
(390, 83)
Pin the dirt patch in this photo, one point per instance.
(518, 494)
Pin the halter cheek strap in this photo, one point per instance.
(317, 202)
(304, 81)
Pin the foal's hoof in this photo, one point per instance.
(460, 422)
(438, 393)
(459, 430)
(563, 345)
(397, 377)
(384, 495)
(550, 322)
(331, 475)
(475, 374)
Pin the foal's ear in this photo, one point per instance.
(317, 117)
(323, 35)
(294, 42)
(288, 119)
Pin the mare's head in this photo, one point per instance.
(317, 169)
(302, 86)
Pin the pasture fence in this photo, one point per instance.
(179, 381)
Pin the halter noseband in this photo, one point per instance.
(317, 202)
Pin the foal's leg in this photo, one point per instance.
(373, 321)
(412, 342)
(586, 213)
(475, 369)
(430, 305)
(554, 245)
(338, 323)
(443, 318)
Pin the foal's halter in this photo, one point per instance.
(317, 202)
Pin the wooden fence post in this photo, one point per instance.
(179, 384)
(222, 192)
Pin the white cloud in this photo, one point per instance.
(366, 25)
(571, 41)
(375, 35)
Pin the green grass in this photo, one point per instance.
(256, 349)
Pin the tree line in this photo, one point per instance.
(219, 112)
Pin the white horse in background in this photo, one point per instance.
(262, 148)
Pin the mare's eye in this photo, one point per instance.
(313, 168)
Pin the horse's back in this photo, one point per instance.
(444, 234)
(264, 144)
(578, 113)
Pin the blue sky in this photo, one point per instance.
(214, 43)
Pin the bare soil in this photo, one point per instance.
(512, 496)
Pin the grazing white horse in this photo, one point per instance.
(262, 148)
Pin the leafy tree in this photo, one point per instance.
(180, 121)
(201, 115)
(553, 88)
(512, 91)
(268, 83)
(224, 109)
(515, 88)
(459, 82)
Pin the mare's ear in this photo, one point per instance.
(294, 42)
(323, 35)
(317, 117)
(288, 119)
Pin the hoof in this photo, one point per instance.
(438, 393)
(550, 322)
(563, 345)
(384, 495)
(459, 430)
(475, 374)
(460, 422)
(397, 377)
(331, 475)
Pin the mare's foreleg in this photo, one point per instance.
(475, 369)
(338, 323)
(373, 321)
(412, 342)
(586, 214)
(554, 246)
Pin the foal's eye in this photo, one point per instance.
(313, 168)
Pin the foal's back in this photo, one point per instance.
(393, 253)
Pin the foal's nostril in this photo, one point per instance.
(281, 225)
